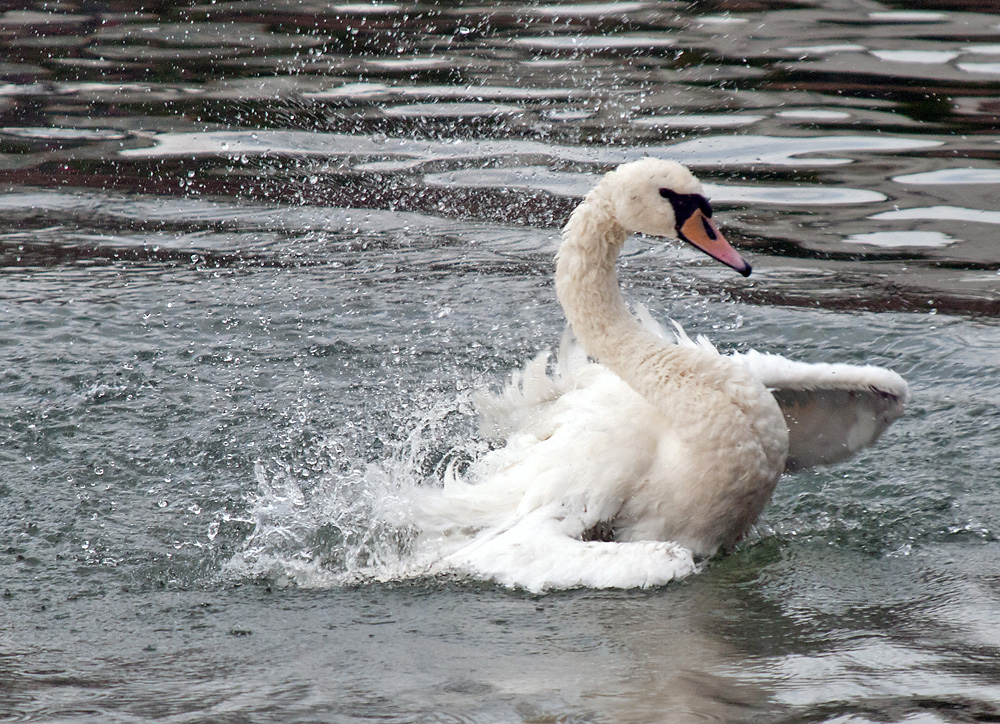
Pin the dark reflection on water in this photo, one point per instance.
(82, 86)
(253, 255)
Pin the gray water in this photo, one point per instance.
(256, 256)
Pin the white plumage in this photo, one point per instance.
(625, 471)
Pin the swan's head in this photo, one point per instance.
(663, 198)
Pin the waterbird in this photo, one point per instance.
(642, 452)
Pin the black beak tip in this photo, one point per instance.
(745, 271)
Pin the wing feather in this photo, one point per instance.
(832, 410)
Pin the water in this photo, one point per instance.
(257, 256)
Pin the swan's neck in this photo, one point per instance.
(587, 286)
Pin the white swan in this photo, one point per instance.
(625, 471)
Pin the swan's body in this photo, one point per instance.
(624, 471)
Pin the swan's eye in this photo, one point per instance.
(686, 204)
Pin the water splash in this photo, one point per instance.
(340, 520)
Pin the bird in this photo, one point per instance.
(641, 453)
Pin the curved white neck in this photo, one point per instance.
(587, 287)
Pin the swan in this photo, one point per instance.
(643, 452)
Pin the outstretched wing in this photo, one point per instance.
(832, 410)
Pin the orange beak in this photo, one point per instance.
(701, 232)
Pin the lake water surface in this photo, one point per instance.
(256, 256)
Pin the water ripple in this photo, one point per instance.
(902, 239)
(951, 176)
(736, 150)
(538, 178)
(950, 213)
